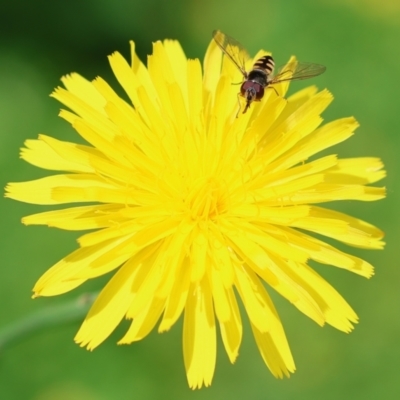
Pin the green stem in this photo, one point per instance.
(48, 317)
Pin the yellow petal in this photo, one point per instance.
(359, 170)
(199, 336)
(231, 330)
(77, 218)
(276, 356)
(252, 294)
(56, 189)
(50, 153)
(84, 90)
(144, 322)
(109, 308)
(63, 276)
(176, 301)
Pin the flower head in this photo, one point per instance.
(193, 209)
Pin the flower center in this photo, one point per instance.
(206, 199)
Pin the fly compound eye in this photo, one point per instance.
(248, 90)
(259, 92)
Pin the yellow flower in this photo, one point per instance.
(193, 208)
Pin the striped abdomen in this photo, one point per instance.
(265, 63)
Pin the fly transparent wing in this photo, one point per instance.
(233, 49)
(296, 71)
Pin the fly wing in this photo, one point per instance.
(297, 71)
(233, 49)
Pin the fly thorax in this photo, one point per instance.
(259, 76)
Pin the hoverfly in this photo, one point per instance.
(261, 75)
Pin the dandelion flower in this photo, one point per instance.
(194, 210)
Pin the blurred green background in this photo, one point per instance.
(358, 41)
